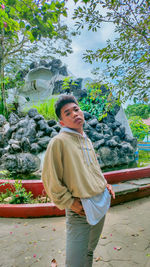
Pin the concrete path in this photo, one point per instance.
(125, 241)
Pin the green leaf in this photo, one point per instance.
(22, 24)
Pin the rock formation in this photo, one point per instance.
(23, 141)
(43, 80)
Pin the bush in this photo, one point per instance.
(142, 110)
(95, 102)
(47, 109)
(144, 158)
(18, 195)
(10, 108)
(138, 127)
(1, 106)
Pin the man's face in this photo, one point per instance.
(72, 117)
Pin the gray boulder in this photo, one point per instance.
(94, 136)
(93, 123)
(42, 125)
(2, 120)
(98, 144)
(13, 119)
(127, 148)
(38, 117)
(3, 139)
(63, 71)
(40, 134)
(108, 156)
(28, 130)
(43, 142)
(35, 148)
(87, 115)
(57, 128)
(25, 144)
(48, 130)
(111, 143)
(54, 133)
(99, 127)
(51, 123)
(107, 137)
(21, 163)
(15, 148)
(32, 112)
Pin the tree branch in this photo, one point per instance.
(18, 49)
(131, 26)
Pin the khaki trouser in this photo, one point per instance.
(81, 240)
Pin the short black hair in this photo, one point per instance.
(62, 101)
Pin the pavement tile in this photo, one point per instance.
(144, 181)
(125, 239)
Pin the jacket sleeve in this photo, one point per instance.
(52, 176)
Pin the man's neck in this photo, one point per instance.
(80, 130)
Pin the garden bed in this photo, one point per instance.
(49, 209)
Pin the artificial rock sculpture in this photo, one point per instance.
(43, 80)
(23, 141)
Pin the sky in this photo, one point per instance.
(87, 40)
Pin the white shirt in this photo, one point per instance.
(96, 207)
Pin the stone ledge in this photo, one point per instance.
(30, 210)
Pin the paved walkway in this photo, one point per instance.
(125, 240)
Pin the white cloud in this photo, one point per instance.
(107, 32)
(87, 40)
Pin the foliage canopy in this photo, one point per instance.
(141, 110)
(27, 21)
(138, 127)
(97, 103)
(127, 56)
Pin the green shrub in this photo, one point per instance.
(68, 83)
(20, 195)
(1, 106)
(142, 110)
(47, 109)
(10, 108)
(144, 158)
(17, 196)
(95, 102)
(138, 127)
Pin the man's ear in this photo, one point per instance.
(61, 122)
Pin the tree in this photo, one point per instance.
(141, 110)
(138, 127)
(127, 57)
(23, 22)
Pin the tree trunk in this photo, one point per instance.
(2, 84)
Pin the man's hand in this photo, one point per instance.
(77, 207)
(109, 187)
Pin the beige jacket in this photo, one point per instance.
(71, 169)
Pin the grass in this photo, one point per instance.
(47, 109)
(144, 158)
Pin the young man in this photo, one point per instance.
(74, 181)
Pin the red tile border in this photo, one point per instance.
(49, 209)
